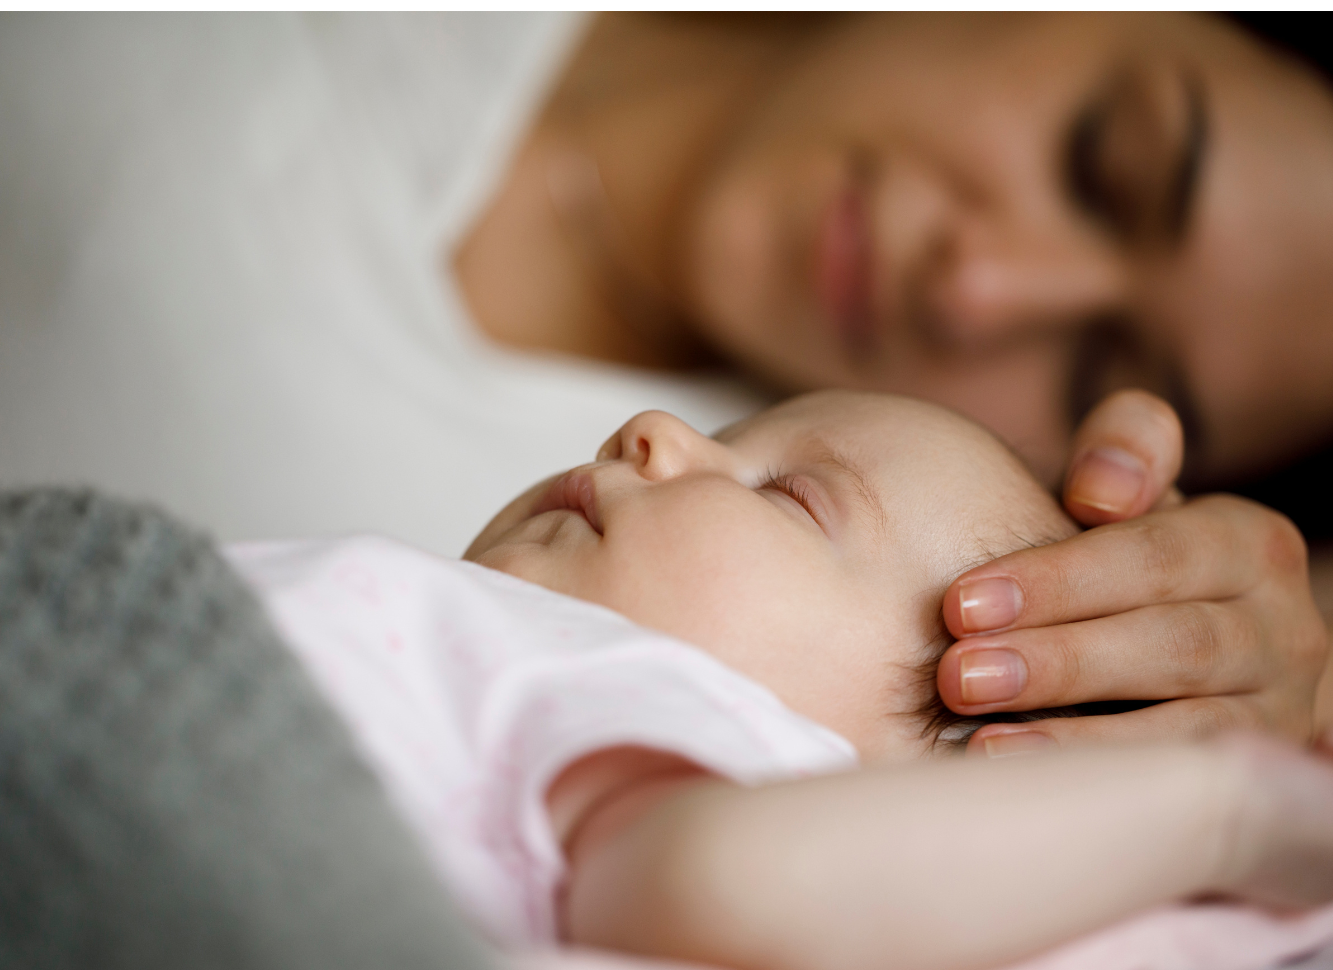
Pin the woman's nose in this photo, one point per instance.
(661, 446)
(987, 287)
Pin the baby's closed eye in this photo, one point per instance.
(798, 491)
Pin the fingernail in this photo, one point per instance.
(992, 676)
(1109, 479)
(1018, 743)
(988, 604)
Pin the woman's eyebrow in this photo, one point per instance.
(1194, 148)
(866, 496)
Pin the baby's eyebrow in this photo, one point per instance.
(866, 496)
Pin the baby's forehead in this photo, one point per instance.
(944, 472)
(872, 430)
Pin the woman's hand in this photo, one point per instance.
(1203, 605)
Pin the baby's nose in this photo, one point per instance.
(662, 446)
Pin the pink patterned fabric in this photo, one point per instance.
(1218, 936)
(467, 691)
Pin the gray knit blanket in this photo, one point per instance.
(173, 791)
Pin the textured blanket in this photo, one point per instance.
(173, 792)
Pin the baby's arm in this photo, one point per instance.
(866, 869)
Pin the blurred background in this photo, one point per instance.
(307, 274)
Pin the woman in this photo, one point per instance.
(1012, 216)
(217, 291)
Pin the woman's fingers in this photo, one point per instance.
(1207, 603)
(1213, 548)
(1178, 650)
(1125, 459)
(1182, 720)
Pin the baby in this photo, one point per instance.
(668, 776)
(807, 547)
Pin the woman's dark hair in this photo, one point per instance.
(1296, 34)
(1300, 492)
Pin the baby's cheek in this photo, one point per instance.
(517, 561)
(673, 592)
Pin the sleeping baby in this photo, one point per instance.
(630, 718)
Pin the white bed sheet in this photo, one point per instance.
(221, 242)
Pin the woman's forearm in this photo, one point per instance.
(935, 867)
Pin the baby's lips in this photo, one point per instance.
(575, 491)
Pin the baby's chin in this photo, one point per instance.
(506, 519)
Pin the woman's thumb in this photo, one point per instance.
(1125, 459)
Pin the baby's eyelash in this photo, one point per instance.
(791, 487)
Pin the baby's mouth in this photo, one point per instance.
(573, 491)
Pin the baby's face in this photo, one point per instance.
(807, 547)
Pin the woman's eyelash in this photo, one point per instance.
(791, 487)
(1081, 165)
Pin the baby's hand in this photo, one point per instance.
(1282, 853)
(1204, 605)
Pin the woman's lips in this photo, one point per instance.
(843, 273)
(575, 492)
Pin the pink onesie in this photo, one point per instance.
(468, 690)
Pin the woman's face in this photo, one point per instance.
(1012, 215)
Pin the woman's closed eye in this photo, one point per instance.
(1134, 155)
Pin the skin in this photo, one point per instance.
(807, 547)
(1230, 629)
(670, 205)
(989, 264)
(840, 870)
(834, 520)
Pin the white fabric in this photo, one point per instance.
(222, 286)
(468, 691)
